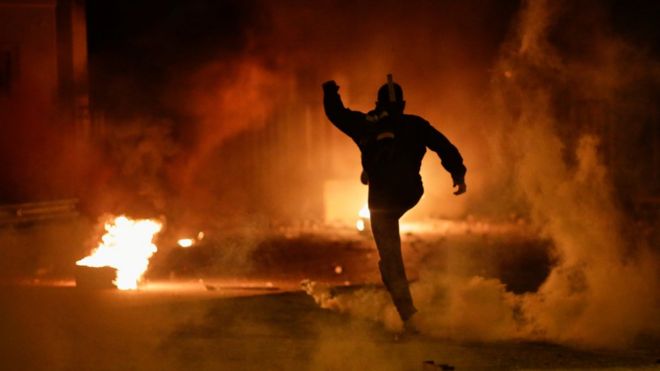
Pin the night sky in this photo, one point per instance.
(147, 46)
(142, 45)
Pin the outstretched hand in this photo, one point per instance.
(330, 87)
(462, 188)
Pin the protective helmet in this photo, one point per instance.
(384, 94)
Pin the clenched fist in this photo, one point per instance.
(330, 87)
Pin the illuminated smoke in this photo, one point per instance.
(603, 290)
(227, 98)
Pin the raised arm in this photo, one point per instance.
(449, 156)
(349, 122)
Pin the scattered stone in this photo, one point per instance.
(428, 365)
(431, 365)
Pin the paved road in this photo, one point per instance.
(64, 328)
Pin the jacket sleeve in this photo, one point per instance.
(449, 156)
(349, 122)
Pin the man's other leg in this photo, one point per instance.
(385, 228)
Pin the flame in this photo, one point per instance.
(364, 215)
(189, 241)
(364, 212)
(185, 242)
(126, 246)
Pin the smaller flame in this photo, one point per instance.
(364, 215)
(186, 242)
(364, 212)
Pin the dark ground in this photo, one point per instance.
(218, 307)
(50, 328)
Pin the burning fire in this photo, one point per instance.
(364, 212)
(186, 242)
(126, 246)
(189, 242)
(364, 215)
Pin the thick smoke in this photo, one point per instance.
(242, 102)
(226, 98)
(603, 290)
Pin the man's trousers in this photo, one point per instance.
(385, 229)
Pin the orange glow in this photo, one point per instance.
(126, 246)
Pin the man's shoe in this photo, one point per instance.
(410, 327)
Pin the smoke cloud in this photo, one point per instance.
(603, 290)
(241, 101)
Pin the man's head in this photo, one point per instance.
(385, 103)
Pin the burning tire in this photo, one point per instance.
(95, 277)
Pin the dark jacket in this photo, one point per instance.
(392, 148)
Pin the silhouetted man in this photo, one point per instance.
(392, 145)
